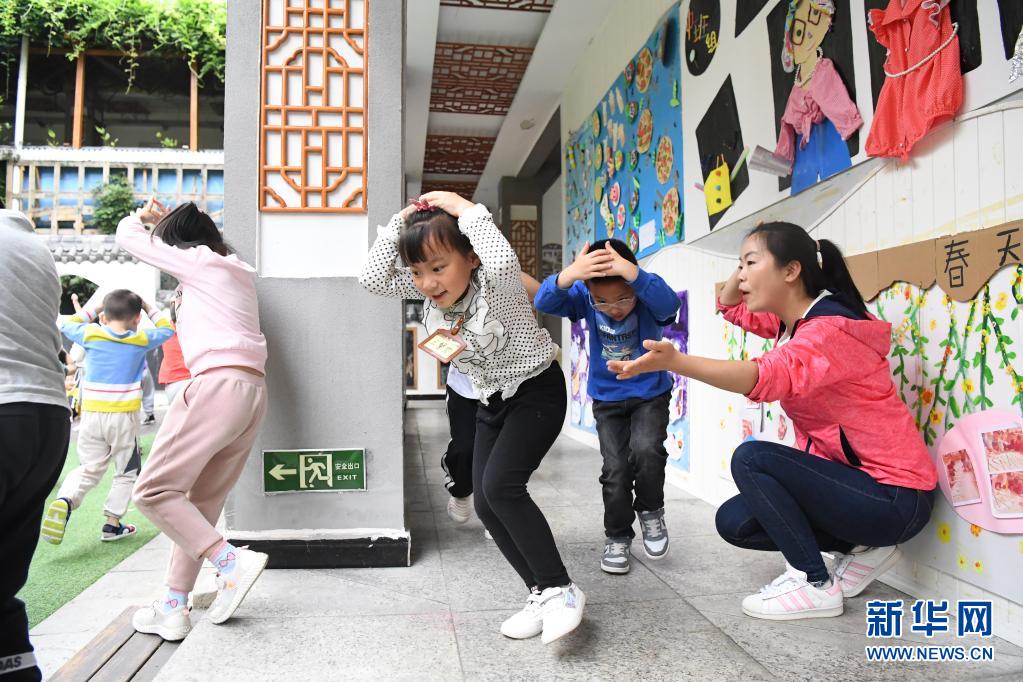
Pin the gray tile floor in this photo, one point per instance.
(674, 619)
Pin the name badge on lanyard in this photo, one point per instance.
(443, 344)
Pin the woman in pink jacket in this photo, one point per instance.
(861, 480)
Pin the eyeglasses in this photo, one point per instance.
(620, 304)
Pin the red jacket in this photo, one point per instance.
(833, 380)
(173, 366)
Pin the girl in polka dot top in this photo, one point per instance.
(458, 262)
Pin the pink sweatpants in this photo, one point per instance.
(197, 458)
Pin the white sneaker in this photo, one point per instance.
(562, 611)
(172, 625)
(791, 597)
(526, 623)
(232, 587)
(459, 509)
(862, 566)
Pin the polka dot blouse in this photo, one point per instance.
(504, 344)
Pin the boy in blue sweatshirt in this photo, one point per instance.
(115, 351)
(623, 306)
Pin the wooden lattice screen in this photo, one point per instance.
(313, 113)
(523, 240)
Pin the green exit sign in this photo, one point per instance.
(318, 471)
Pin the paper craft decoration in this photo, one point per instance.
(632, 139)
(980, 470)
(960, 264)
(766, 161)
(819, 115)
(718, 188)
(923, 84)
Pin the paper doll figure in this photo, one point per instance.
(819, 116)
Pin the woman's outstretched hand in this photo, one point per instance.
(660, 356)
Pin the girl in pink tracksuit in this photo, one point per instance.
(213, 422)
(861, 480)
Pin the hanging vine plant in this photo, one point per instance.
(195, 30)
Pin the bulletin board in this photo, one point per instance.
(624, 163)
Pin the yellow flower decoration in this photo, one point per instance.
(978, 566)
(934, 325)
(729, 408)
(975, 529)
(722, 424)
(936, 416)
(1001, 301)
(963, 561)
(968, 385)
(944, 533)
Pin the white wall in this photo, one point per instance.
(960, 179)
(143, 279)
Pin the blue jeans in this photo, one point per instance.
(801, 505)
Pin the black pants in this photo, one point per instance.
(512, 438)
(801, 505)
(632, 434)
(33, 445)
(457, 461)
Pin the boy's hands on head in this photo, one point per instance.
(660, 356)
(75, 303)
(621, 267)
(152, 211)
(586, 266)
(407, 212)
(449, 202)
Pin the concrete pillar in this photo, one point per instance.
(334, 371)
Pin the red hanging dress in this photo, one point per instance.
(923, 85)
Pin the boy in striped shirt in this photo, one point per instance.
(115, 351)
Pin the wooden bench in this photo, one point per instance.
(118, 654)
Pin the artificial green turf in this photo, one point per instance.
(59, 573)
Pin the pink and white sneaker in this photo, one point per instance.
(862, 566)
(791, 597)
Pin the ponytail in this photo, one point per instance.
(821, 263)
(837, 277)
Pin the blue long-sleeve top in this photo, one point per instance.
(656, 307)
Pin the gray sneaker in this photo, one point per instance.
(616, 555)
(655, 533)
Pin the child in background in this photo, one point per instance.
(111, 397)
(461, 408)
(468, 274)
(173, 374)
(623, 305)
(208, 431)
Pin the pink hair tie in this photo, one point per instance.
(420, 205)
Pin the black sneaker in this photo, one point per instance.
(150, 419)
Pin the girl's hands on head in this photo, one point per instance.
(449, 202)
(407, 212)
(597, 263)
(152, 211)
(660, 356)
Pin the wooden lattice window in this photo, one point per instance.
(477, 79)
(457, 154)
(313, 114)
(461, 188)
(518, 5)
(523, 240)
